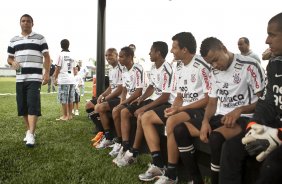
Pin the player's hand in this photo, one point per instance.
(15, 65)
(205, 132)
(45, 79)
(229, 119)
(99, 100)
(170, 111)
(261, 140)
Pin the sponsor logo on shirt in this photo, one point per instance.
(254, 75)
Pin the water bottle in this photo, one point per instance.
(19, 70)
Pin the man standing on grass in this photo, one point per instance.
(25, 55)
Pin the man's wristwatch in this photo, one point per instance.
(103, 98)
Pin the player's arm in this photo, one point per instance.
(115, 93)
(209, 112)
(46, 65)
(148, 92)
(133, 96)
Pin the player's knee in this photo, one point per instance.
(124, 112)
(181, 132)
(89, 105)
(146, 118)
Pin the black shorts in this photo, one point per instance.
(133, 107)
(28, 98)
(113, 102)
(215, 122)
(196, 117)
(160, 111)
(76, 97)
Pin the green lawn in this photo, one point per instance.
(63, 151)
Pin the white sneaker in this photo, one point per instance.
(166, 180)
(127, 159)
(76, 113)
(104, 143)
(30, 140)
(152, 173)
(72, 111)
(25, 138)
(119, 156)
(115, 150)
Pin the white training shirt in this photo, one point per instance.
(133, 78)
(67, 64)
(161, 79)
(193, 80)
(115, 77)
(238, 85)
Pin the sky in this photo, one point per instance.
(140, 22)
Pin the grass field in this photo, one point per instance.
(63, 153)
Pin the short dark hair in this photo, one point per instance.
(26, 15)
(246, 40)
(210, 43)
(113, 50)
(277, 19)
(162, 47)
(187, 40)
(127, 51)
(65, 44)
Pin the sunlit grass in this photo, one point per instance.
(63, 153)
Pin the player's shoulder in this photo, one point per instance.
(167, 67)
(199, 62)
(138, 67)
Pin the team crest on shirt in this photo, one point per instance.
(236, 78)
(193, 77)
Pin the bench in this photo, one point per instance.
(203, 152)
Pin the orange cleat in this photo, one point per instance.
(98, 137)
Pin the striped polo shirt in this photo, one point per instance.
(28, 51)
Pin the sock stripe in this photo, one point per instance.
(215, 168)
(186, 149)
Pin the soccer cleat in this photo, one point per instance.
(98, 137)
(115, 150)
(104, 143)
(119, 156)
(95, 144)
(30, 140)
(127, 159)
(165, 180)
(76, 113)
(152, 173)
